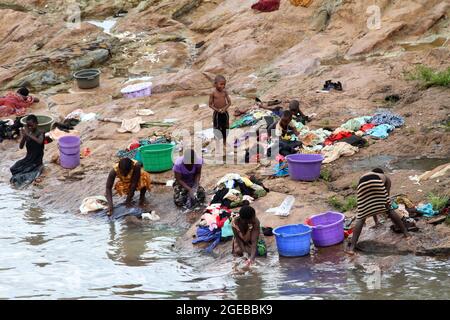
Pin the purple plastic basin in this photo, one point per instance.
(328, 229)
(69, 151)
(304, 167)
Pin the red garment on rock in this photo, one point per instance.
(367, 127)
(336, 137)
(266, 5)
(14, 103)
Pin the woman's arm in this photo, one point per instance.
(197, 177)
(180, 181)
(24, 138)
(294, 129)
(254, 240)
(109, 186)
(134, 182)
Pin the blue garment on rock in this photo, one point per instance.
(227, 230)
(206, 235)
(245, 121)
(427, 210)
(381, 131)
(387, 117)
(281, 172)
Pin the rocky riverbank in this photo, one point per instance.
(285, 54)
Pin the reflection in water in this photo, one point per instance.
(129, 244)
(35, 216)
(249, 286)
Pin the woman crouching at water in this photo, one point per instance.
(373, 199)
(27, 169)
(132, 177)
(247, 231)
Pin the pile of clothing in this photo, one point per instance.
(233, 189)
(215, 226)
(14, 104)
(10, 129)
(410, 213)
(345, 140)
(281, 168)
(251, 118)
(131, 151)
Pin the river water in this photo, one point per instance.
(56, 255)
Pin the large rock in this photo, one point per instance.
(91, 58)
(429, 240)
(38, 80)
(374, 38)
(180, 81)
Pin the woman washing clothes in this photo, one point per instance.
(29, 168)
(132, 177)
(373, 199)
(247, 230)
(188, 171)
(287, 133)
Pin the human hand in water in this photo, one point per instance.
(249, 262)
(192, 193)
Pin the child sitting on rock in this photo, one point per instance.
(247, 230)
(297, 114)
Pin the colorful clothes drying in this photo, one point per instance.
(266, 5)
(427, 210)
(281, 169)
(367, 127)
(388, 118)
(356, 123)
(14, 103)
(381, 132)
(206, 235)
(355, 141)
(334, 152)
(303, 3)
(123, 185)
(336, 137)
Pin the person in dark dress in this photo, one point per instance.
(29, 168)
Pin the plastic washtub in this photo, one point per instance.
(304, 167)
(328, 228)
(87, 78)
(293, 240)
(137, 90)
(44, 122)
(69, 151)
(157, 157)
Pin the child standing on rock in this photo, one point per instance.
(220, 101)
